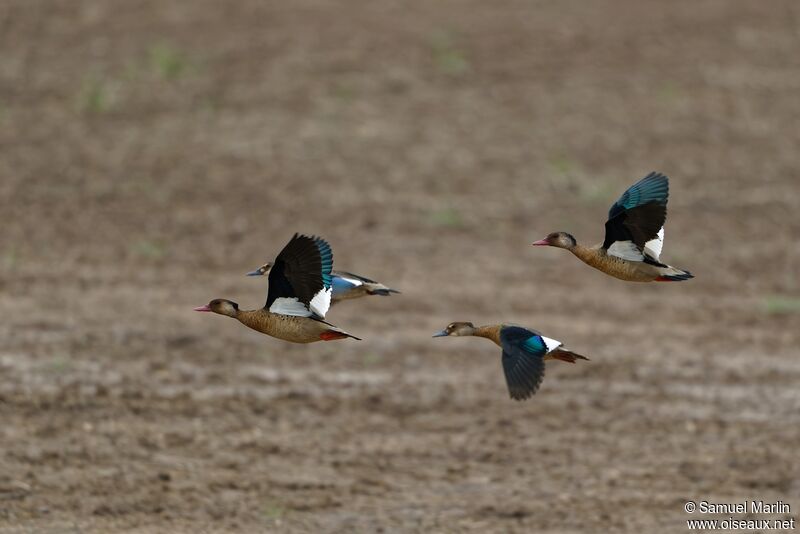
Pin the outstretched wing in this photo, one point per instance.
(300, 278)
(523, 360)
(635, 225)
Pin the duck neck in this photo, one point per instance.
(491, 332)
(586, 254)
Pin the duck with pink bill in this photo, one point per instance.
(298, 298)
(634, 236)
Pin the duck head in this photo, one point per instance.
(457, 329)
(261, 271)
(220, 306)
(557, 239)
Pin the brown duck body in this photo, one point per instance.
(290, 327)
(634, 236)
(630, 271)
(492, 332)
(524, 352)
(299, 295)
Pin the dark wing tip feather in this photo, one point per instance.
(381, 292)
(524, 375)
(685, 275)
(640, 212)
(652, 188)
(326, 259)
(523, 362)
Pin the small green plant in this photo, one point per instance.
(447, 56)
(94, 96)
(150, 249)
(372, 359)
(210, 105)
(344, 93)
(669, 92)
(59, 365)
(168, 62)
(448, 217)
(781, 305)
(562, 164)
(274, 511)
(10, 259)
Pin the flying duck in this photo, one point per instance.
(634, 236)
(524, 353)
(345, 285)
(299, 295)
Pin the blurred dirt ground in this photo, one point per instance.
(151, 153)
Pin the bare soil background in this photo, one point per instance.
(153, 152)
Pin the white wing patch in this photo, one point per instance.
(321, 301)
(625, 250)
(551, 344)
(290, 306)
(653, 247)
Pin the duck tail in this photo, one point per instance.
(672, 274)
(566, 355)
(335, 333)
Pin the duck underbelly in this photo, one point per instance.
(630, 271)
(287, 327)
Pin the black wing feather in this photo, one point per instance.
(639, 224)
(297, 271)
(524, 370)
(640, 212)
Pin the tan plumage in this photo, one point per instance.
(630, 271)
(524, 352)
(298, 298)
(287, 327)
(634, 236)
